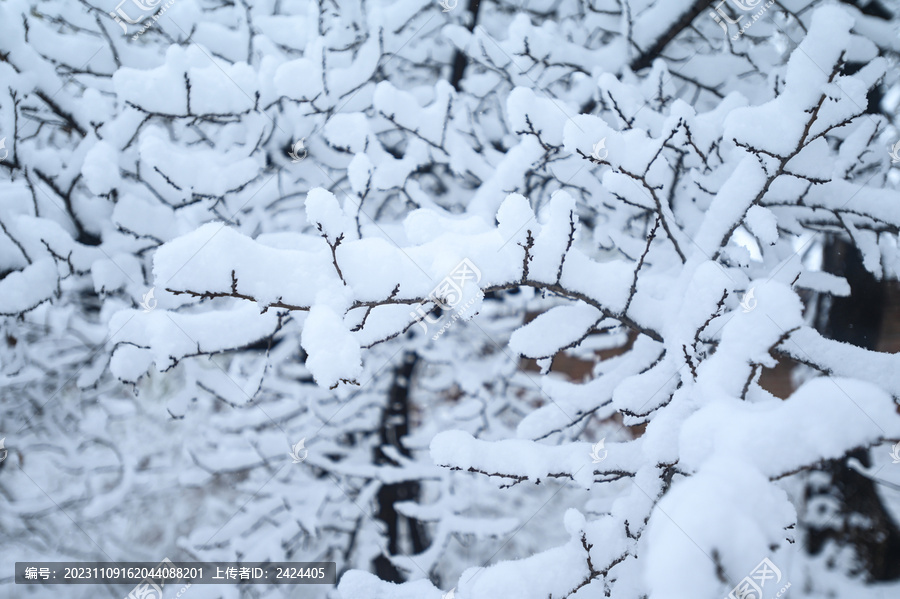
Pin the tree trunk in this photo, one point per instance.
(862, 522)
(394, 425)
(459, 60)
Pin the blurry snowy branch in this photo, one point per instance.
(249, 212)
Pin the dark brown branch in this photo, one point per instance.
(634, 281)
(647, 56)
(553, 288)
(562, 260)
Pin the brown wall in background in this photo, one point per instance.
(777, 381)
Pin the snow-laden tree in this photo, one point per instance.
(348, 211)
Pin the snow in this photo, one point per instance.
(511, 168)
(553, 330)
(359, 171)
(334, 354)
(755, 433)
(730, 204)
(620, 245)
(763, 223)
(322, 208)
(516, 220)
(516, 457)
(115, 272)
(182, 173)
(845, 360)
(25, 289)
(171, 336)
(359, 583)
(300, 78)
(528, 111)
(101, 169)
(682, 538)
